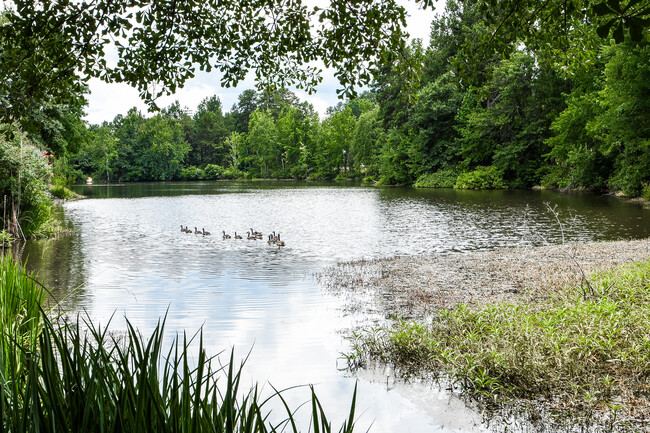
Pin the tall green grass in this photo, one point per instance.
(576, 347)
(21, 298)
(76, 377)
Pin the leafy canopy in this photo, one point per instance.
(49, 49)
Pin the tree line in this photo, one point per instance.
(527, 119)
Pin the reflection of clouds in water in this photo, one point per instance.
(245, 294)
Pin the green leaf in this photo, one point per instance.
(619, 35)
(603, 31)
(615, 5)
(601, 9)
(636, 31)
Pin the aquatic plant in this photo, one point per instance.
(58, 375)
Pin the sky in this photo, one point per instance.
(108, 100)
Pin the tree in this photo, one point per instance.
(208, 134)
(247, 102)
(365, 140)
(103, 151)
(568, 32)
(264, 149)
(163, 148)
(48, 50)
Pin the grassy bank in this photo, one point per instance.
(586, 346)
(66, 377)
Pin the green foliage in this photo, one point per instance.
(213, 172)
(25, 172)
(439, 179)
(21, 298)
(191, 173)
(601, 139)
(208, 134)
(61, 192)
(233, 173)
(481, 178)
(80, 377)
(525, 120)
(160, 46)
(434, 118)
(396, 160)
(645, 193)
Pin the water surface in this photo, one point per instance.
(128, 257)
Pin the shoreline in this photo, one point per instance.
(412, 287)
(407, 297)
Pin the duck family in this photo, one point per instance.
(251, 235)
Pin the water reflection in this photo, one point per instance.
(128, 257)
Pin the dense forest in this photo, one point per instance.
(571, 114)
(528, 120)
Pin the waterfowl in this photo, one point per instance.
(225, 236)
(258, 235)
(187, 230)
(250, 237)
(237, 236)
(205, 233)
(196, 231)
(271, 240)
(182, 229)
(279, 242)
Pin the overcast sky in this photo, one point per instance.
(108, 100)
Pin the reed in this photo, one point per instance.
(74, 376)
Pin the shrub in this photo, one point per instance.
(233, 173)
(25, 172)
(213, 172)
(645, 193)
(191, 173)
(439, 179)
(480, 178)
(61, 192)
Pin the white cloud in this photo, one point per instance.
(108, 100)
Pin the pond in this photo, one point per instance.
(127, 257)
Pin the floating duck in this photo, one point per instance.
(237, 236)
(205, 233)
(225, 236)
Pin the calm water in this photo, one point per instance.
(127, 257)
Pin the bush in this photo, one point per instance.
(213, 172)
(61, 192)
(191, 173)
(645, 193)
(25, 172)
(480, 178)
(439, 179)
(233, 173)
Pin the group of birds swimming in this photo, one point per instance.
(251, 235)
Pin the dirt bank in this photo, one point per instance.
(412, 287)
